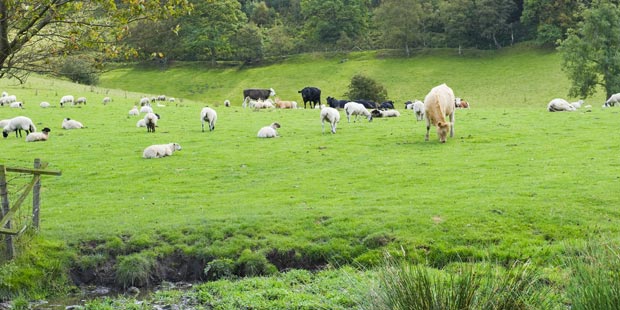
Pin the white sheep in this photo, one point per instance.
(106, 100)
(134, 111)
(38, 136)
(141, 123)
(388, 113)
(354, 108)
(68, 123)
(332, 116)
(577, 104)
(269, 131)
(151, 121)
(227, 103)
(263, 104)
(146, 109)
(145, 101)
(559, 105)
(18, 124)
(44, 104)
(66, 99)
(81, 100)
(8, 99)
(418, 109)
(160, 150)
(210, 116)
(319, 106)
(613, 99)
(17, 105)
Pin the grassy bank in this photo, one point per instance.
(515, 183)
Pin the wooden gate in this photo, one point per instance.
(8, 211)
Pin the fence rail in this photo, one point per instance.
(8, 211)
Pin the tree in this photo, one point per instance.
(363, 87)
(400, 22)
(326, 21)
(590, 54)
(34, 31)
(552, 18)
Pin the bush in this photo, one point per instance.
(363, 87)
(80, 70)
(219, 268)
(252, 264)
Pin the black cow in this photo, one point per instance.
(257, 93)
(312, 95)
(368, 104)
(388, 105)
(335, 103)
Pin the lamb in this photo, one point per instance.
(332, 116)
(17, 105)
(264, 104)
(38, 136)
(160, 150)
(68, 123)
(210, 116)
(141, 123)
(66, 99)
(151, 121)
(418, 109)
(354, 108)
(559, 105)
(134, 111)
(44, 104)
(18, 124)
(81, 100)
(269, 131)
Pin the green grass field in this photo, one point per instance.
(515, 182)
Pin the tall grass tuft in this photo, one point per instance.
(403, 285)
(134, 270)
(595, 278)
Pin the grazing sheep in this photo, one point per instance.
(66, 99)
(227, 103)
(161, 98)
(210, 116)
(44, 104)
(68, 123)
(160, 150)
(269, 131)
(18, 124)
(438, 104)
(146, 109)
(141, 123)
(559, 105)
(38, 136)
(134, 111)
(145, 101)
(106, 100)
(16, 105)
(354, 108)
(151, 121)
(81, 100)
(385, 113)
(613, 99)
(332, 116)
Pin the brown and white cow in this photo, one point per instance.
(439, 104)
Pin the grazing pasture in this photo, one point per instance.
(514, 183)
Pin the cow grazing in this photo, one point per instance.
(258, 94)
(335, 103)
(312, 95)
(439, 104)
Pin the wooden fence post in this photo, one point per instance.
(4, 194)
(36, 198)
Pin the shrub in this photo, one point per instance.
(133, 270)
(363, 87)
(252, 264)
(219, 268)
(80, 70)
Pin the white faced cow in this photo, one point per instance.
(439, 104)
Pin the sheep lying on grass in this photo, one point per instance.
(68, 123)
(141, 123)
(160, 150)
(269, 131)
(209, 116)
(18, 124)
(134, 111)
(332, 116)
(16, 105)
(38, 136)
(560, 105)
(386, 113)
(44, 104)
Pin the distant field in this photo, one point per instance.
(516, 182)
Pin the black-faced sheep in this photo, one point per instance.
(68, 123)
(38, 136)
(66, 99)
(18, 124)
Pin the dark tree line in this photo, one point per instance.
(250, 30)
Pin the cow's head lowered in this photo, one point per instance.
(443, 128)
